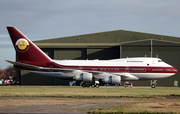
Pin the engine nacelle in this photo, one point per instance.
(78, 77)
(87, 77)
(112, 79)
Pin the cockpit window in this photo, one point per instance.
(160, 61)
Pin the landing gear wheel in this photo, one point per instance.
(92, 86)
(97, 86)
(88, 86)
(153, 85)
(83, 85)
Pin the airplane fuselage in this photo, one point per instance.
(143, 68)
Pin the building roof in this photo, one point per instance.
(109, 38)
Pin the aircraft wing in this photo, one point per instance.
(24, 66)
(33, 67)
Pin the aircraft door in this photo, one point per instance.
(147, 69)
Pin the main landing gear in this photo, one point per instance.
(90, 84)
(153, 83)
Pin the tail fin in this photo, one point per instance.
(25, 49)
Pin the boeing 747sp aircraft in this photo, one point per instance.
(90, 72)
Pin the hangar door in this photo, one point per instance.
(103, 53)
(136, 49)
(70, 54)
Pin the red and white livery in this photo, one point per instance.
(90, 72)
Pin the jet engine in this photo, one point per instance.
(86, 77)
(112, 79)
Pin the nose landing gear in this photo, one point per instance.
(153, 85)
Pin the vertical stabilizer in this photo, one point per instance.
(25, 49)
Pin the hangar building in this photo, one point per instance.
(104, 46)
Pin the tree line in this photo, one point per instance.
(5, 72)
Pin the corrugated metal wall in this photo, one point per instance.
(103, 53)
(70, 54)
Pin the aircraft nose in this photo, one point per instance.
(175, 70)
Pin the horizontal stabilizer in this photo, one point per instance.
(32, 67)
(24, 65)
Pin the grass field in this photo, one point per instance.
(159, 100)
(77, 91)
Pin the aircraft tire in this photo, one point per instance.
(88, 86)
(84, 85)
(97, 86)
(92, 86)
(153, 86)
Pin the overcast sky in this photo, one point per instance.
(44, 19)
